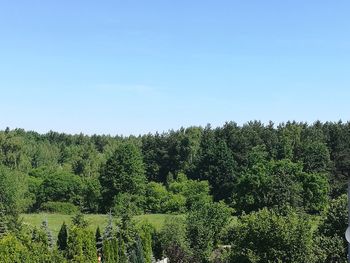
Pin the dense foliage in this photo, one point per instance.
(291, 174)
(265, 235)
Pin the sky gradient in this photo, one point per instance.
(132, 67)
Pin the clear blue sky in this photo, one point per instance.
(130, 67)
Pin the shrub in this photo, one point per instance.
(204, 223)
(81, 247)
(175, 204)
(173, 240)
(59, 207)
(127, 202)
(268, 236)
(331, 245)
(330, 249)
(156, 195)
(60, 186)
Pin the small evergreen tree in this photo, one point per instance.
(106, 251)
(62, 237)
(98, 239)
(115, 249)
(132, 256)
(127, 230)
(146, 239)
(45, 228)
(81, 246)
(136, 254)
(109, 247)
(123, 258)
(79, 220)
(39, 236)
(108, 233)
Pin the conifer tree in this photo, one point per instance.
(81, 245)
(98, 239)
(132, 256)
(115, 249)
(136, 255)
(106, 252)
(62, 237)
(45, 228)
(110, 248)
(146, 239)
(108, 233)
(79, 220)
(123, 258)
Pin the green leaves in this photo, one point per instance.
(13, 191)
(280, 184)
(204, 223)
(123, 173)
(60, 186)
(268, 236)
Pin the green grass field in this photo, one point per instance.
(55, 220)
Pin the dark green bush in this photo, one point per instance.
(269, 236)
(59, 207)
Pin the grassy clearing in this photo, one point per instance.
(55, 220)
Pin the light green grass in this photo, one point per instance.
(55, 220)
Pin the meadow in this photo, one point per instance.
(55, 220)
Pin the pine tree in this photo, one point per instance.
(98, 239)
(45, 227)
(126, 228)
(107, 237)
(136, 255)
(110, 248)
(62, 237)
(108, 233)
(132, 256)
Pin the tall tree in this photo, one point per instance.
(13, 188)
(204, 224)
(123, 173)
(215, 163)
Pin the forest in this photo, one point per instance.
(239, 193)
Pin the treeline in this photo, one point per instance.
(92, 172)
(262, 173)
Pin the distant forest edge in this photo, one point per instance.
(80, 169)
(289, 177)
